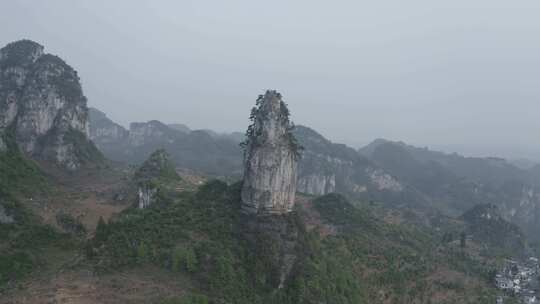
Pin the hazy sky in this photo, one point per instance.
(459, 75)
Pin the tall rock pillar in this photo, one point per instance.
(270, 160)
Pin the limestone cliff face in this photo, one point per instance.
(156, 174)
(317, 184)
(42, 106)
(270, 159)
(143, 133)
(104, 131)
(147, 195)
(327, 167)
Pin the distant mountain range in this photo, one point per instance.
(456, 183)
(69, 229)
(393, 173)
(206, 151)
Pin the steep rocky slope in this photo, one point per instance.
(104, 129)
(324, 167)
(155, 177)
(327, 167)
(43, 149)
(271, 155)
(42, 107)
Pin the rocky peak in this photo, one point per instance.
(20, 53)
(271, 155)
(158, 165)
(155, 173)
(42, 106)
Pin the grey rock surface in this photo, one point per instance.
(42, 105)
(270, 159)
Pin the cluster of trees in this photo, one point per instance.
(24, 241)
(257, 114)
(202, 235)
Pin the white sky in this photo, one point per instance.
(461, 75)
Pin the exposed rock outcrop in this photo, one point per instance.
(271, 156)
(104, 131)
(42, 106)
(317, 184)
(328, 167)
(147, 195)
(155, 175)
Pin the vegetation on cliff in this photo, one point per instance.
(201, 235)
(258, 115)
(18, 174)
(24, 242)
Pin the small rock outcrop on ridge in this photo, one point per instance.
(270, 160)
(42, 107)
(155, 174)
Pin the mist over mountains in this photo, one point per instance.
(395, 173)
(165, 213)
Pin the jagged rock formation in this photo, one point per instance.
(395, 174)
(42, 106)
(147, 195)
(155, 175)
(327, 167)
(271, 155)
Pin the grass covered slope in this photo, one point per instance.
(19, 174)
(26, 243)
(23, 238)
(343, 254)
